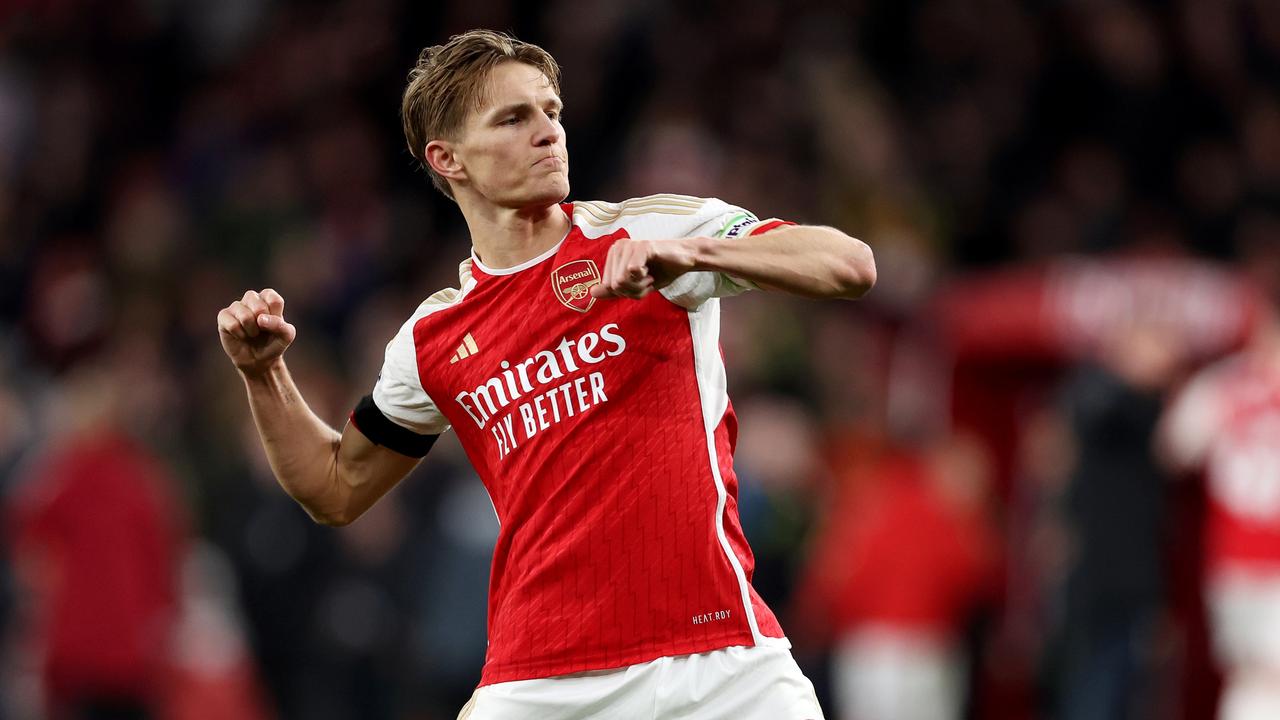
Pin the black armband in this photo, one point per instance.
(380, 430)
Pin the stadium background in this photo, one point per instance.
(1052, 189)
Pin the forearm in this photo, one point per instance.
(807, 260)
(302, 448)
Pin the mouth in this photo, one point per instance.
(550, 161)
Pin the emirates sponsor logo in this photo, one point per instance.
(542, 388)
(571, 284)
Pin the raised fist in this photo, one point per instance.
(253, 331)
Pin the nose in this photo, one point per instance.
(547, 132)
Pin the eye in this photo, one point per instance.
(553, 114)
(510, 121)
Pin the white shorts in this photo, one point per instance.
(883, 671)
(739, 683)
(1244, 614)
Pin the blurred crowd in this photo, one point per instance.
(976, 493)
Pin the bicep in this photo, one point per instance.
(368, 470)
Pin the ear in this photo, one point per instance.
(442, 157)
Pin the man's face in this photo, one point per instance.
(512, 148)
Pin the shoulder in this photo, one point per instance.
(651, 215)
(1195, 417)
(1211, 389)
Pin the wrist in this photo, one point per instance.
(264, 374)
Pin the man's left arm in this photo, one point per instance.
(808, 260)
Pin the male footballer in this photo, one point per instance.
(578, 362)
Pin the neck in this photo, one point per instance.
(506, 237)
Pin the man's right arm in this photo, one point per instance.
(336, 478)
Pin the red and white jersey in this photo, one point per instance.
(1227, 422)
(605, 437)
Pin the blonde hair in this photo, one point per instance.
(447, 81)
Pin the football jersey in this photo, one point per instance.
(604, 435)
(1227, 422)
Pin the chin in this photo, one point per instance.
(548, 194)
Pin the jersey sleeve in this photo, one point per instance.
(717, 219)
(1189, 424)
(398, 397)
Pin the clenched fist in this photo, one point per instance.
(633, 268)
(253, 331)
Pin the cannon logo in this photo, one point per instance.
(571, 284)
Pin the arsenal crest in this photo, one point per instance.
(571, 284)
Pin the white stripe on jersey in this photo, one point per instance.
(704, 324)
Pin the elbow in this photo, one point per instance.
(337, 514)
(331, 510)
(329, 518)
(857, 273)
(332, 520)
(333, 506)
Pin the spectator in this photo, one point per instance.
(97, 537)
(1225, 423)
(1113, 595)
(908, 559)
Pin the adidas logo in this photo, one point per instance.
(465, 350)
